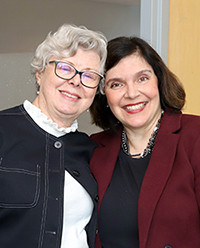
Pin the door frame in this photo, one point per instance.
(154, 25)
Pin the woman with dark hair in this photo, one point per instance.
(147, 163)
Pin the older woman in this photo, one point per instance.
(48, 197)
(147, 164)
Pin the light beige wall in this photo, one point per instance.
(184, 49)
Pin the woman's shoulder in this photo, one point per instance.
(98, 136)
(12, 110)
(189, 126)
(107, 136)
(79, 137)
(175, 122)
(190, 120)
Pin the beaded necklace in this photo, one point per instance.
(150, 145)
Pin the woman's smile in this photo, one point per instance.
(73, 96)
(133, 107)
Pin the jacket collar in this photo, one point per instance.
(104, 159)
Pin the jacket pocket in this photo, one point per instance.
(19, 184)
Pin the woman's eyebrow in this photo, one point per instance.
(114, 79)
(143, 72)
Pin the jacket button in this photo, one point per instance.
(168, 246)
(57, 144)
(96, 198)
(76, 173)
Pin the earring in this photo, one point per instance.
(38, 89)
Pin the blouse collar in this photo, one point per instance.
(47, 124)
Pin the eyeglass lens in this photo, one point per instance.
(67, 71)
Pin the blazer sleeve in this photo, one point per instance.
(195, 162)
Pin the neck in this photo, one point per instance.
(137, 141)
(140, 142)
(62, 120)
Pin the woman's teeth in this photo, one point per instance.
(135, 107)
(69, 95)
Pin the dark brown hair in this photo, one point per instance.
(172, 94)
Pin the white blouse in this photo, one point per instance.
(78, 205)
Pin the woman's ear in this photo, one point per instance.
(38, 77)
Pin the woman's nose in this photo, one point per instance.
(76, 80)
(131, 90)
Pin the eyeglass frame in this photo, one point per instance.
(76, 72)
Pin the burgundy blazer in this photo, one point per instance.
(169, 201)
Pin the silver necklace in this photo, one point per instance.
(150, 145)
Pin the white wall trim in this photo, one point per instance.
(154, 25)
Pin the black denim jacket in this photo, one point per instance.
(32, 166)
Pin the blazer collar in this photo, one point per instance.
(158, 172)
(104, 159)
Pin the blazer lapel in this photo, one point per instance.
(157, 173)
(103, 162)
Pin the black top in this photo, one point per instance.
(118, 222)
